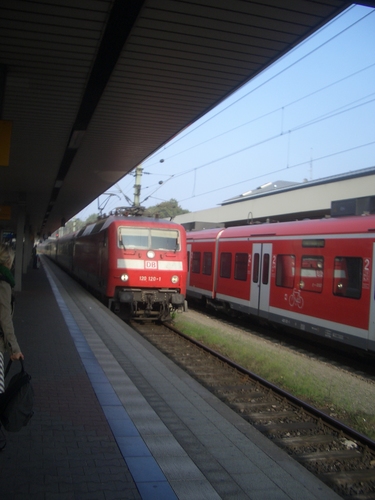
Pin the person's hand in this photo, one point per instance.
(17, 355)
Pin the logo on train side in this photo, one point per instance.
(296, 299)
(151, 264)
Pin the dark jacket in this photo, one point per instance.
(8, 340)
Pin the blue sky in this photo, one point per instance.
(310, 115)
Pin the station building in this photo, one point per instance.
(352, 193)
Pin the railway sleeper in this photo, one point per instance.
(261, 408)
(320, 456)
(356, 484)
(352, 476)
(361, 496)
(245, 389)
(303, 441)
(273, 407)
(280, 428)
(273, 415)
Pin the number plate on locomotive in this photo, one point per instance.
(150, 278)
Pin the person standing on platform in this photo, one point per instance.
(8, 340)
(35, 258)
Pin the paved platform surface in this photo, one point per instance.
(115, 419)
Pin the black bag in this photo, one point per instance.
(16, 403)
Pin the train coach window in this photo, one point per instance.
(256, 268)
(196, 263)
(225, 264)
(240, 266)
(311, 274)
(285, 270)
(266, 267)
(207, 263)
(347, 277)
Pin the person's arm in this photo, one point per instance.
(6, 322)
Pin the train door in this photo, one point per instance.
(371, 332)
(261, 279)
(188, 251)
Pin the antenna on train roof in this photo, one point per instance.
(127, 211)
(101, 206)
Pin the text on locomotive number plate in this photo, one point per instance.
(150, 278)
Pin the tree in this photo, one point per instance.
(76, 224)
(166, 209)
(71, 226)
(91, 218)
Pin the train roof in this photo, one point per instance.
(102, 224)
(204, 234)
(130, 220)
(339, 225)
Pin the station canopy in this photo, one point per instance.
(90, 89)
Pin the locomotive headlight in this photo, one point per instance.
(124, 277)
(150, 254)
(174, 279)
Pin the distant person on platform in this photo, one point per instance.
(8, 340)
(35, 258)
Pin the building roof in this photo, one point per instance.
(293, 201)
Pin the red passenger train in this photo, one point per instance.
(316, 276)
(137, 265)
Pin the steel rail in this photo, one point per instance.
(327, 419)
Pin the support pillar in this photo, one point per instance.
(19, 247)
(27, 250)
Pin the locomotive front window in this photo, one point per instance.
(145, 239)
(134, 237)
(165, 239)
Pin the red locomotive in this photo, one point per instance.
(137, 265)
(315, 276)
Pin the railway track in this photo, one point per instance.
(338, 455)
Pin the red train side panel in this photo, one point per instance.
(316, 276)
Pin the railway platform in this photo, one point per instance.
(115, 419)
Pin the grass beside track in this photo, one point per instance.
(314, 381)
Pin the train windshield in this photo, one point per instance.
(149, 239)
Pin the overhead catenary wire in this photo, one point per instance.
(315, 49)
(289, 130)
(269, 113)
(321, 118)
(283, 169)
